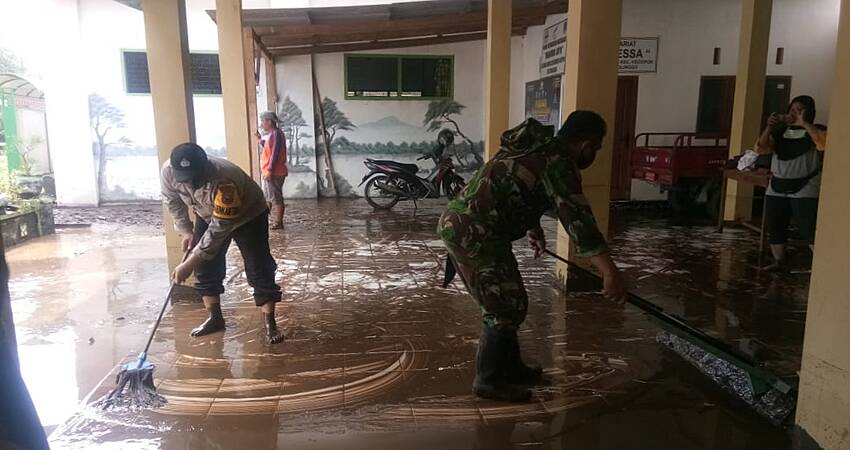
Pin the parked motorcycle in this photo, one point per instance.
(389, 182)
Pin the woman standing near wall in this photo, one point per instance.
(797, 146)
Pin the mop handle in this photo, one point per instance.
(144, 355)
(658, 312)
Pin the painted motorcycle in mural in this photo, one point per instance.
(389, 182)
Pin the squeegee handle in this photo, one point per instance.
(669, 319)
(144, 354)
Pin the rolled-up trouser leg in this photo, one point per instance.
(253, 241)
(210, 273)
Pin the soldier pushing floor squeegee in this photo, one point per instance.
(533, 172)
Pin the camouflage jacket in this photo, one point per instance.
(227, 201)
(528, 177)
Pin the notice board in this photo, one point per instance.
(543, 100)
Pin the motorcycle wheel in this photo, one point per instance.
(377, 197)
(453, 186)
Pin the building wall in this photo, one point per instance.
(108, 28)
(393, 129)
(294, 80)
(688, 32)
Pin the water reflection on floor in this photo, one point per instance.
(379, 356)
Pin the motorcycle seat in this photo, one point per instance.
(412, 168)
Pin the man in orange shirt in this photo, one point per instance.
(273, 166)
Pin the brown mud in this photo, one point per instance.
(377, 355)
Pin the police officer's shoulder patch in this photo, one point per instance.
(226, 202)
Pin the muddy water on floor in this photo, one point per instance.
(81, 300)
(379, 356)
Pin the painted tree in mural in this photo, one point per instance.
(335, 120)
(441, 111)
(292, 120)
(106, 121)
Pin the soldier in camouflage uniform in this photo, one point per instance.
(533, 173)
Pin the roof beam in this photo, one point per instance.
(261, 47)
(396, 43)
(343, 37)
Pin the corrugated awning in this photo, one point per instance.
(21, 87)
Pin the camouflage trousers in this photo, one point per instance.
(489, 270)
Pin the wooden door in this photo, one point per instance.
(777, 94)
(716, 100)
(624, 137)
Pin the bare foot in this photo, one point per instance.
(273, 334)
(775, 267)
(211, 325)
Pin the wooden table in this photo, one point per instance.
(755, 179)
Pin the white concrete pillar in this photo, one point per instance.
(66, 98)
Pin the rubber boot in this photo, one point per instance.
(214, 323)
(273, 334)
(491, 363)
(277, 215)
(518, 372)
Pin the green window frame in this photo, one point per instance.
(402, 64)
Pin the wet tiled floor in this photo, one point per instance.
(379, 356)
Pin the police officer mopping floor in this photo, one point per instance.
(228, 205)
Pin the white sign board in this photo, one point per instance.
(553, 59)
(638, 55)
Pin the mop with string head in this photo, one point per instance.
(134, 384)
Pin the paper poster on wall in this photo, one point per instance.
(638, 55)
(543, 100)
(553, 58)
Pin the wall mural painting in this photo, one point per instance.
(107, 124)
(386, 138)
(124, 170)
(301, 155)
(331, 181)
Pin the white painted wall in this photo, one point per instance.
(108, 28)
(688, 32)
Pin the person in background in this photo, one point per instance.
(228, 205)
(531, 174)
(797, 145)
(273, 166)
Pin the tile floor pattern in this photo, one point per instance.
(379, 356)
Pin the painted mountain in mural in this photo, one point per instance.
(388, 129)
